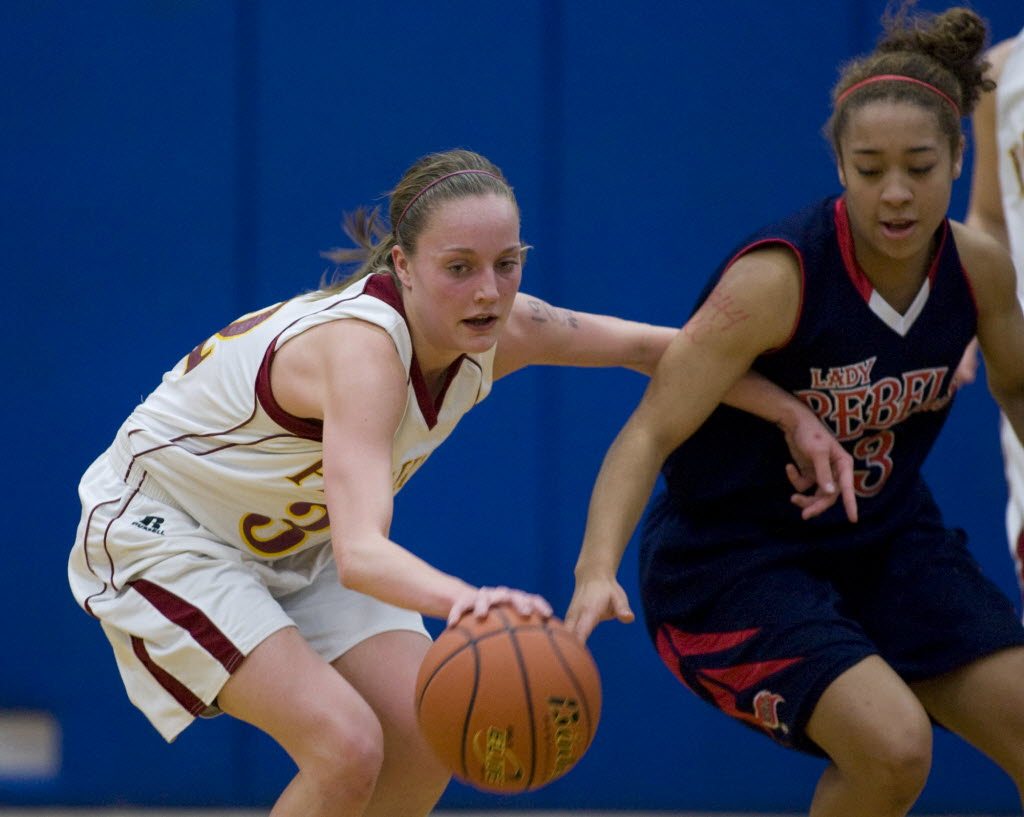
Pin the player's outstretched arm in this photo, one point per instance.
(538, 333)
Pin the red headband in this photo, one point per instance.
(898, 78)
(439, 179)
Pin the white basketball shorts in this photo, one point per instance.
(182, 610)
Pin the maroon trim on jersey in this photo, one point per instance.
(308, 428)
(192, 619)
(858, 278)
(767, 242)
(177, 690)
(382, 287)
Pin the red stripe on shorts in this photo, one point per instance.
(190, 618)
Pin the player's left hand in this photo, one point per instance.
(593, 601)
(819, 462)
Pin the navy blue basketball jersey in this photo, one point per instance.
(878, 379)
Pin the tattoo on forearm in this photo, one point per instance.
(718, 314)
(543, 312)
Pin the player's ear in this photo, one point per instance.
(841, 170)
(958, 158)
(400, 261)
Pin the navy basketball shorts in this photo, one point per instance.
(759, 628)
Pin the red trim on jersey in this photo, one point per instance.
(177, 690)
(859, 279)
(192, 619)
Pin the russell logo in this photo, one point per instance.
(150, 523)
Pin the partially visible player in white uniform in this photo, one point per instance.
(997, 207)
(262, 470)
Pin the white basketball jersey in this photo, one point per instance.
(213, 440)
(1010, 141)
(1010, 136)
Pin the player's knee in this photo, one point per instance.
(345, 755)
(897, 764)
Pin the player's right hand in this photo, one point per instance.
(819, 462)
(594, 601)
(481, 599)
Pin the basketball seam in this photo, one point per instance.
(513, 638)
(447, 659)
(469, 706)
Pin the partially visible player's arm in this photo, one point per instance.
(985, 206)
(1000, 320)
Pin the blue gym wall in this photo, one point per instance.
(170, 164)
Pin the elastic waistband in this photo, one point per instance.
(134, 474)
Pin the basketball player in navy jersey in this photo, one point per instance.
(839, 639)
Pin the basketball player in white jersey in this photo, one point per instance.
(234, 541)
(997, 206)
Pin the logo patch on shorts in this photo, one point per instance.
(766, 709)
(150, 523)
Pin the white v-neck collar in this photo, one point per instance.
(900, 324)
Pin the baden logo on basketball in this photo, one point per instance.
(500, 762)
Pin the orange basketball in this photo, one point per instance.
(508, 703)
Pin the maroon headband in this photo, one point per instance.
(438, 180)
(898, 78)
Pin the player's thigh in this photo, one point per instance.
(334, 619)
(383, 670)
(284, 688)
(868, 715)
(983, 702)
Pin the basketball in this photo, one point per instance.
(508, 703)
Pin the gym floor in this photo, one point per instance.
(131, 812)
